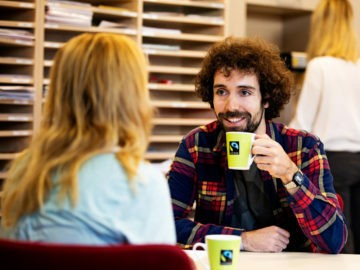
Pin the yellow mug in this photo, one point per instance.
(238, 148)
(223, 251)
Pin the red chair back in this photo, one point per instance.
(30, 255)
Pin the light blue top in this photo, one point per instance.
(108, 210)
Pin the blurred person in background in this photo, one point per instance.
(328, 105)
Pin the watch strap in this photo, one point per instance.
(290, 185)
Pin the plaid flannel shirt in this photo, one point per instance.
(199, 174)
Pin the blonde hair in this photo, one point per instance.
(332, 31)
(98, 99)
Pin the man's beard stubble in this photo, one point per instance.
(251, 123)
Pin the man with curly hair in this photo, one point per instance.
(286, 200)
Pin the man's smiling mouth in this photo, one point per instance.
(234, 120)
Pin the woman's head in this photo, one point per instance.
(99, 90)
(332, 31)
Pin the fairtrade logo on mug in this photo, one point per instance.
(234, 147)
(226, 257)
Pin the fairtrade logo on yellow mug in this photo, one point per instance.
(223, 251)
(238, 147)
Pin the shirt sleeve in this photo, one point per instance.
(183, 187)
(309, 99)
(315, 204)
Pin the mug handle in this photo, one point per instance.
(251, 160)
(199, 244)
(199, 259)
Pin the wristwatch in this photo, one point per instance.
(296, 181)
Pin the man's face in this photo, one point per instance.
(237, 101)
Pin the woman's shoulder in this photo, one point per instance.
(329, 62)
(151, 172)
(106, 165)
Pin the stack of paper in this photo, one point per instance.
(16, 34)
(17, 92)
(69, 13)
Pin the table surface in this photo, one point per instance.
(286, 261)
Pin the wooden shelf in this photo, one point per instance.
(179, 53)
(16, 61)
(52, 45)
(16, 101)
(2, 175)
(172, 87)
(282, 6)
(181, 121)
(93, 29)
(173, 70)
(16, 117)
(166, 138)
(191, 3)
(188, 37)
(20, 24)
(16, 42)
(17, 4)
(9, 79)
(118, 12)
(15, 133)
(180, 104)
(8, 156)
(183, 19)
(153, 156)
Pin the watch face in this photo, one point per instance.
(298, 178)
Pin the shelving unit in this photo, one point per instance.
(18, 38)
(283, 22)
(57, 32)
(287, 24)
(191, 28)
(174, 34)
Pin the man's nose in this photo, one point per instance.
(232, 103)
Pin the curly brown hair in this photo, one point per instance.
(252, 55)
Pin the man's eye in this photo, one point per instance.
(245, 92)
(220, 92)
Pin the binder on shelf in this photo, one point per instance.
(295, 61)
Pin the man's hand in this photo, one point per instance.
(269, 239)
(271, 157)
